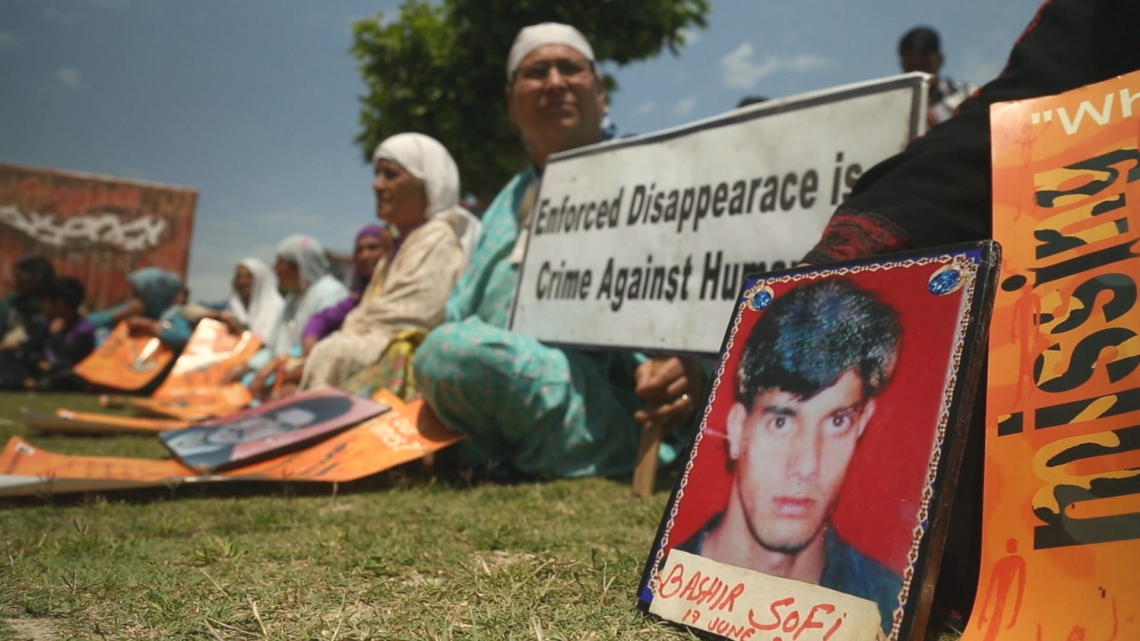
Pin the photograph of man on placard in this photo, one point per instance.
(268, 429)
(807, 383)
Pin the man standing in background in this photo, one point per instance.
(920, 49)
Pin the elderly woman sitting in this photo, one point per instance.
(255, 303)
(417, 194)
(373, 242)
(303, 273)
(532, 408)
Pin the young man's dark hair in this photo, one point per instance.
(813, 334)
(68, 290)
(922, 40)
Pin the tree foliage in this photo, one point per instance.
(441, 69)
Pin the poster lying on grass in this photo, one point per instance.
(65, 421)
(408, 432)
(829, 443)
(1061, 523)
(126, 363)
(269, 429)
(642, 243)
(195, 388)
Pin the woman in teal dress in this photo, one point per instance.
(531, 408)
(151, 308)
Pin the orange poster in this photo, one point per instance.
(125, 362)
(65, 421)
(406, 433)
(195, 390)
(1061, 539)
(95, 228)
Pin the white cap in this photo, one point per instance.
(540, 35)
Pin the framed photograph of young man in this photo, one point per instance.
(834, 427)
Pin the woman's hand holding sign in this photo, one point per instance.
(670, 387)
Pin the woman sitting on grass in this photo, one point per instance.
(255, 303)
(417, 195)
(303, 272)
(373, 242)
(151, 309)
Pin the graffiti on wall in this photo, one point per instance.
(94, 228)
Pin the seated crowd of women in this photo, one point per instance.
(430, 281)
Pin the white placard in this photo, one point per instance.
(643, 243)
(745, 605)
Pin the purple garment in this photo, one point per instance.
(360, 281)
(329, 319)
(65, 349)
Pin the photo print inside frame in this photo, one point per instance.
(830, 438)
(273, 428)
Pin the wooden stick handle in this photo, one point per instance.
(645, 473)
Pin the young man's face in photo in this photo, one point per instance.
(792, 456)
(249, 429)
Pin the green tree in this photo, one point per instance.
(441, 69)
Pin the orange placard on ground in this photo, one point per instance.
(65, 421)
(406, 433)
(208, 356)
(199, 406)
(125, 362)
(194, 390)
(1061, 540)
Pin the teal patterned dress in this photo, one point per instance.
(529, 408)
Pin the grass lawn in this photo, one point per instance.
(406, 555)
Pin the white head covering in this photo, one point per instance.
(265, 301)
(429, 161)
(426, 159)
(540, 35)
(308, 255)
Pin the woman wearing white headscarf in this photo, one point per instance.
(417, 194)
(303, 273)
(255, 302)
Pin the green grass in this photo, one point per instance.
(406, 555)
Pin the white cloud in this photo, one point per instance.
(68, 76)
(689, 36)
(682, 77)
(683, 107)
(645, 108)
(742, 71)
(7, 40)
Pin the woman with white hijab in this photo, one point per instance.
(255, 303)
(417, 194)
(304, 274)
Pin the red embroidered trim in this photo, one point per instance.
(852, 235)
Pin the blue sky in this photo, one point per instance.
(254, 103)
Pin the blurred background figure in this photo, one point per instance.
(255, 303)
(46, 361)
(373, 242)
(20, 311)
(151, 309)
(920, 49)
(416, 186)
